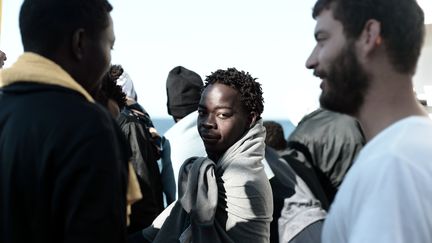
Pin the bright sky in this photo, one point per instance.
(270, 39)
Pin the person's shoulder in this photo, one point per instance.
(396, 151)
(55, 100)
(52, 105)
(186, 125)
(414, 125)
(406, 135)
(411, 141)
(80, 111)
(71, 111)
(316, 126)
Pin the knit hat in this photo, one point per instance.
(183, 88)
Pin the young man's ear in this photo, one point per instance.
(370, 38)
(78, 43)
(252, 118)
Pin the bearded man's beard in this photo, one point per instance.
(346, 83)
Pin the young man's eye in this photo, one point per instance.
(201, 113)
(223, 115)
(321, 40)
(321, 37)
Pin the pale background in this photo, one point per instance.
(270, 39)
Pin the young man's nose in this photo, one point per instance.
(209, 122)
(312, 61)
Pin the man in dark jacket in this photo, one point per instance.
(63, 165)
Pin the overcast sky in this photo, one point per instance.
(270, 39)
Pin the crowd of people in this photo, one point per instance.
(81, 160)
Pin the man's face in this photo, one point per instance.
(344, 81)
(222, 120)
(98, 58)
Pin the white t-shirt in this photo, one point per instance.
(387, 194)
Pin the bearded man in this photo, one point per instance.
(366, 55)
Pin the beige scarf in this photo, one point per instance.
(31, 67)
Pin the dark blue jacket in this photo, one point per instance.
(63, 168)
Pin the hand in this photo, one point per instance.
(156, 138)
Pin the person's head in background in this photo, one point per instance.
(124, 80)
(3, 58)
(230, 104)
(77, 35)
(359, 40)
(183, 88)
(111, 95)
(275, 135)
(123, 85)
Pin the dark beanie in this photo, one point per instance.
(183, 88)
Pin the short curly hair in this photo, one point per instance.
(115, 72)
(275, 135)
(110, 89)
(46, 24)
(251, 94)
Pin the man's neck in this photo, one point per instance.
(388, 100)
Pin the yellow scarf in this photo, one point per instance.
(31, 67)
(133, 192)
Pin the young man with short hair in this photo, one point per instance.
(63, 160)
(366, 55)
